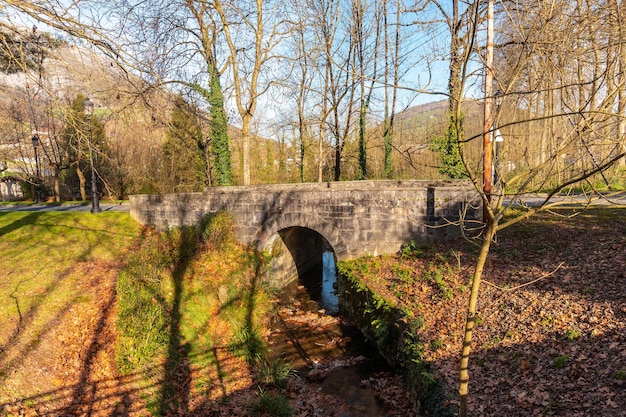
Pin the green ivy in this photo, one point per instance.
(449, 151)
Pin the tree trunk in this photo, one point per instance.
(388, 146)
(390, 112)
(362, 145)
(82, 182)
(454, 133)
(488, 118)
(320, 162)
(57, 184)
(301, 134)
(470, 321)
(621, 106)
(302, 113)
(245, 147)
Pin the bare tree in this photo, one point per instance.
(580, 104)
(391, 46)
(462, 23)
(250, 51)
(303, 75)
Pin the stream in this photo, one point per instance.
(328, 352)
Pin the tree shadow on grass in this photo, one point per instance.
(25, 336)
(44, 338)
(112, 397)
(85, 390)
(89, 391)
(174, 396)
(124, 395)
(27, 220)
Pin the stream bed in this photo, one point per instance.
(332, 356)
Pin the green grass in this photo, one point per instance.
(185, 295)
(38, 279)
(39, 249)
(560, 361)
(276, 373)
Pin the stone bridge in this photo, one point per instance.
(296, 223)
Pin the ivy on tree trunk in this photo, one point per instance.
(219, 129)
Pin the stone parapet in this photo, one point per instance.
(356, 218)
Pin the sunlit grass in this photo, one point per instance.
(186, 298)
(39, 250)
(39, 279)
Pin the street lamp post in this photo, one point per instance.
(35, 140)
(95, 198)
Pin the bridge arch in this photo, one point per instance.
(282, 221)
(297, 246)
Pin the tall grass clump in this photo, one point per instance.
(271, 404)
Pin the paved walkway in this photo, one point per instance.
(68, 206)
(617, 199)
(535, 200)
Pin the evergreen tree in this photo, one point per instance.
(185, 162)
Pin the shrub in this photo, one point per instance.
(269, 404)
(218, 229)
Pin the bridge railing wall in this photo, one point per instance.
(357, 218)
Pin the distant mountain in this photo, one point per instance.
(413, 133)
(52, 69)
(432, 108)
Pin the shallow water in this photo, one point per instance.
(329, 353)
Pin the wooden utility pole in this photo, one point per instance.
(487, 144)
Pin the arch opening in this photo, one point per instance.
(303, 256)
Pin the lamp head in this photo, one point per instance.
(88, 107)
(499, 96)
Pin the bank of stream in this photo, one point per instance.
(330, 354)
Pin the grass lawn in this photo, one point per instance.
(40, 274)
(82, 293)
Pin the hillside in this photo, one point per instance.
(422, 111)
(49, 67)
(414, 130)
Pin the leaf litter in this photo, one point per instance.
(553, 348)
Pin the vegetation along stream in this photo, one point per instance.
(329, 352)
